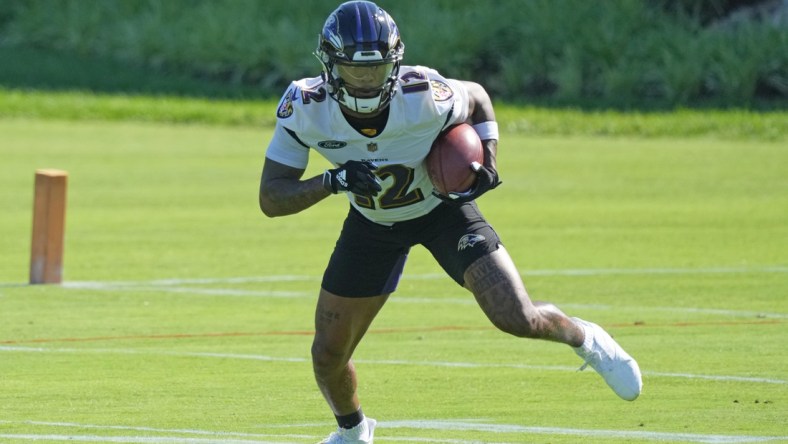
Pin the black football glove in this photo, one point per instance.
(354, 176)
(486, 180)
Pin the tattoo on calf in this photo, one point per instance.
(485, 277)
(496, 297)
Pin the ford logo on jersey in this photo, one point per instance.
(331, 144)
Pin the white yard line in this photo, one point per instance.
(475, 425)
(227, 437)
(446, 364)
(480, 426)
(431, 276)
(170, 286)
(132, 439)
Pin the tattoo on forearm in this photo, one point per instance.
(293, 198)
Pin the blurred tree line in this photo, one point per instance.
(613, 53)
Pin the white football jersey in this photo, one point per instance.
(424, 104)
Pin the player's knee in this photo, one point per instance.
(327, 358)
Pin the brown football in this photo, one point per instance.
(450, 158)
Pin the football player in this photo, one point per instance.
(375, 120)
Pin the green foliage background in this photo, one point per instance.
(620, 52)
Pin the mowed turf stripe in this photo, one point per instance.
(444, 364)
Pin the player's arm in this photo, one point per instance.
(282, 191)
(482, 118)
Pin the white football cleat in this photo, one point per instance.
(620, 371)
(360, 434)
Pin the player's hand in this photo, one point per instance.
(486, 180)
(354, 176)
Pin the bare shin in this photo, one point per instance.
(340, 323)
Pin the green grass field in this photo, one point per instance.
(185, 316)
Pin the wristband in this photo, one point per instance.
(327, 182)
(487, 130)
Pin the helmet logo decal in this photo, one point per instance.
(393, 37)
(330, 33)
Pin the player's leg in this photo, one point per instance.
(495, 282)
(470, 251)
(468, 248)
(340, 323)
(363, 270)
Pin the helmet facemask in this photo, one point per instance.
(363, 87)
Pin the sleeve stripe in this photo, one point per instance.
(448, 118)
(294, 136)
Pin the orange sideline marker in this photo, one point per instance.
(49, 220)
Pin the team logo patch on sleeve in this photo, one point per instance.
(285, 109)
(441, 91)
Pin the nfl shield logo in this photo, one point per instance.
(372, 147)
